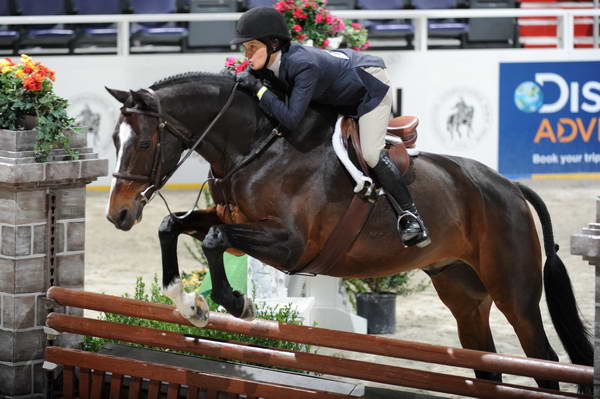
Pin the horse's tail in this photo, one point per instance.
(574, 335)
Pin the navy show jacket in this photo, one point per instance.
(326, 77)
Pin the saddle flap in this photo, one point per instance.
(405, 127)
(400, 157)
(397, 152)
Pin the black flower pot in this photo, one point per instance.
(380, 311)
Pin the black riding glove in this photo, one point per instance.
(249, 82)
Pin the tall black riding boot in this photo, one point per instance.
(410, 225)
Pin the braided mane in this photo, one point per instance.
(192, 77)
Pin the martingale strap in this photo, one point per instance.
(341, 239)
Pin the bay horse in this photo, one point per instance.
(285, 201)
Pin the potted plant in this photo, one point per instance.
(28, 102)
(375, 299)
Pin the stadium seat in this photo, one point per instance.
(38, 35)
(493, 32)
(248, 4)
(444, 28)
(211, 34)
(380, 30)
(8, 35)
(341, 4)
(157, 33)
(102, 35)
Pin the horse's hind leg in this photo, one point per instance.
(514, 280)
(461, 290)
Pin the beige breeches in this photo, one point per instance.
(373, 125)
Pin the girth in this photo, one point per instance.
(352, 222)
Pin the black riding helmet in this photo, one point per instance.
(262, 24)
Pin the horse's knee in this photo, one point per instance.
(167, 227)
(215, 239)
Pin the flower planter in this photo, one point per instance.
(42, 231)
(380, 311)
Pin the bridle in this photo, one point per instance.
(166, 122)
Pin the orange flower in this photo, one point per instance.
(39, 76)
(29, 83)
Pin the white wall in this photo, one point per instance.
(432, 83)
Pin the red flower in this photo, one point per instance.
(301, 37)
(296, 28)
(10, 62)
(27, 70)
(326, 43)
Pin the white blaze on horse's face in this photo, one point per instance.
(125, 134)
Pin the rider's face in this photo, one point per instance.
(256, 52)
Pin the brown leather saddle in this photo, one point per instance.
(404, 128)
(349, 227)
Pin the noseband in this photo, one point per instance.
(166, 122)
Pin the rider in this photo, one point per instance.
(355, 83)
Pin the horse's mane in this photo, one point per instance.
(193, 77)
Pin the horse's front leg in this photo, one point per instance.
(191, 306)
(267, 240)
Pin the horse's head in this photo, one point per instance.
(145, 154)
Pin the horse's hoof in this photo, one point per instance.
(249, 311)
(196, 310)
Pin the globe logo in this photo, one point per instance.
(529, 97)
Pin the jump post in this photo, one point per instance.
(92, 367)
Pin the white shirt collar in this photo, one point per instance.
(275, 65)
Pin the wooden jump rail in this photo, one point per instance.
(378, 345)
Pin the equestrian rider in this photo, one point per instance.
(354, 83)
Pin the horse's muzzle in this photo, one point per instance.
(126, 218)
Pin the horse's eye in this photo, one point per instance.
(144, 145)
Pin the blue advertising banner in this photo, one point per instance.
(549, 118)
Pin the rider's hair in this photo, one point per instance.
(276, 43)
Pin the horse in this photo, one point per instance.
(281, 203)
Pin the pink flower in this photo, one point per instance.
(301, 37)
(319, 18)
(355, 49)
(366, 45)
(338, 25)
(296, 28)
(356, 25)
(230, 61)
(281, 6)
(329, 20)
(242, 67)
(298, 13)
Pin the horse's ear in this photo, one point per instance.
(142, 97)
(120, 95)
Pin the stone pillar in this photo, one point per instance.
(587, 244)
(42, 230)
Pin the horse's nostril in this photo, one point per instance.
(122, 216)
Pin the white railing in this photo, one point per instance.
(565, 20)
